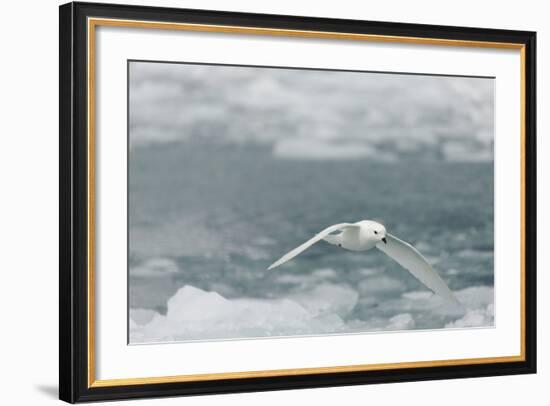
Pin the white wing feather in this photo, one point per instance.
(409, 258)
(318, 237)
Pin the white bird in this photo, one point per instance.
(367, 234)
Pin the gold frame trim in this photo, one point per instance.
(94, 22)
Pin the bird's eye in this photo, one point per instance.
(375, 232)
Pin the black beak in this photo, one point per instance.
(385, 241)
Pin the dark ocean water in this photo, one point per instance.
(213, 217)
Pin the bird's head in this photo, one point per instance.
(378, 232)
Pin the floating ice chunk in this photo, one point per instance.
(474, 318)
(155, 267)
(141, 316)
(370, 271)
(192, 304)
(479, 303)
(299, 148)
(136, 331)
(194, 314)
(404, 321)
(325, 273)
(476, 296)
(463, 152)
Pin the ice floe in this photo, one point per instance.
(326, 308)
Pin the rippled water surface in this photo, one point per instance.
(207, 219)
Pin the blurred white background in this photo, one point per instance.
(29, 220)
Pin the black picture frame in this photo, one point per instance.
(74, 385)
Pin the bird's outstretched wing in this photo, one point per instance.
(409, 258)
(318, 237)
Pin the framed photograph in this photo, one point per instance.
(257, 202)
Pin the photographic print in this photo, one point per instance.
(249, 201)
(269, 202)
